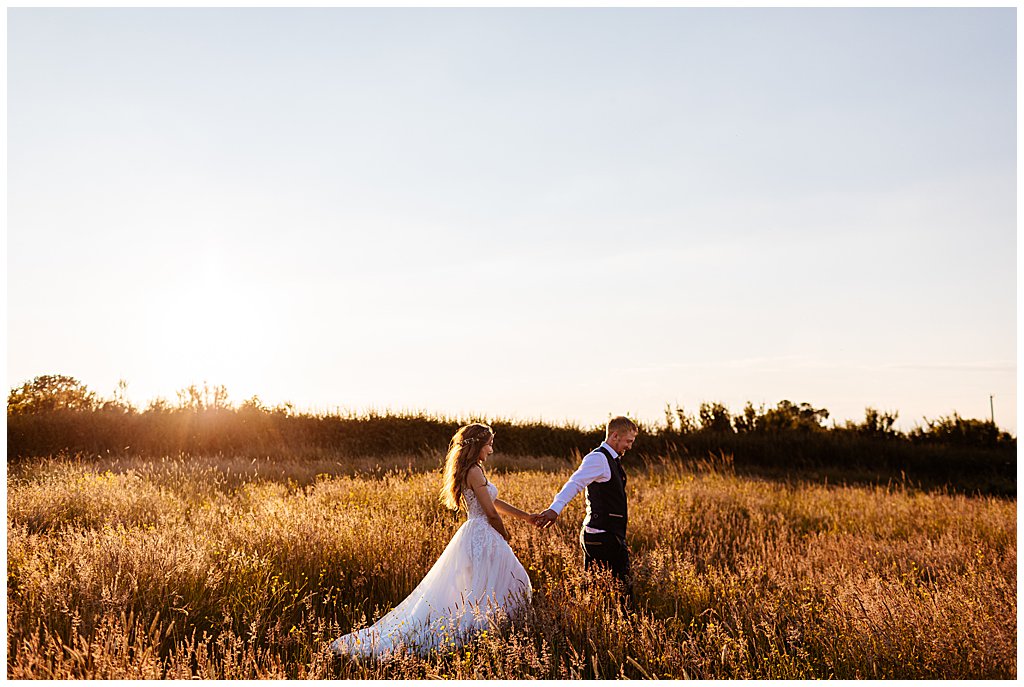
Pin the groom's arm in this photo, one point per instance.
(594, 468)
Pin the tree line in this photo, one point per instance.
(53, 414)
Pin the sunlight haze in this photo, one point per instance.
(527, 213)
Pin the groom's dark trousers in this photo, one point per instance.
(609, 550)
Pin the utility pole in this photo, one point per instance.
(992, 409)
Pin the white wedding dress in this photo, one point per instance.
(476, 581)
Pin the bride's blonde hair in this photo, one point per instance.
(463, 453)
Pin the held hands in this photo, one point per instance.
(545, 519)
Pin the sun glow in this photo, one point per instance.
(214, 327)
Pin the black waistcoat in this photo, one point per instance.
(606, 501)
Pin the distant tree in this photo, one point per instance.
(687, 423)
(715, 417)
(119, 402)
(159, 405)
(193, 397)
(48, 393)
(670, 419)
(962, 432)
(875, 424)
(747, 422)
(788, 417)
(253, 405)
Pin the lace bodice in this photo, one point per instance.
(473, 506)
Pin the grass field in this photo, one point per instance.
(234, 568)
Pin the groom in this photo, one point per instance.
(603, 536)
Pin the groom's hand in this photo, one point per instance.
(546, 518)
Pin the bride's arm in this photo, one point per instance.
(476, 480)
(509, 509)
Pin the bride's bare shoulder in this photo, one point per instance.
(475, 477)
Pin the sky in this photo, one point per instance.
(522, 213)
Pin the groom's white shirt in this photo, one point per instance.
(594, 468)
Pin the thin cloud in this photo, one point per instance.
(796, 361)
(742, 363)
(983, 366)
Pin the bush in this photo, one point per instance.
(48, 393)
(958, 431)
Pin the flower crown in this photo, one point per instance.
(477, 438)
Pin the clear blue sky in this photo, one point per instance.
(529, 213)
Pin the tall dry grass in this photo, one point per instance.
(234, 568)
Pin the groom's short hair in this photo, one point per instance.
(621, 424)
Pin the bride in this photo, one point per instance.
(477, 580)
